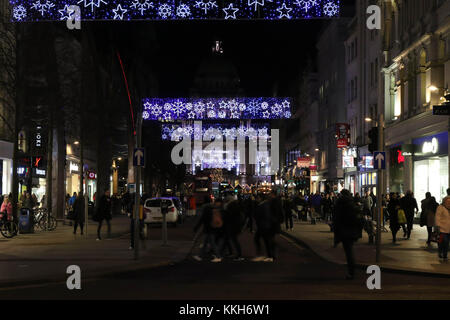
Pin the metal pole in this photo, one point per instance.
(137, 202)
(86, 215)
(379, 188)
(164, 228)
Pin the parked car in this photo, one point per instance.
(152, 210)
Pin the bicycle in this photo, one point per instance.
(43, 220)
(8, 228)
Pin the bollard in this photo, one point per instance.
(164, 211)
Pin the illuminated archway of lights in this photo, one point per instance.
(56, 10)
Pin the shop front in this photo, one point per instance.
(6, 155)
(367, 177)
(349, 155)
(39, 183)
(430, 162)
(72, 176)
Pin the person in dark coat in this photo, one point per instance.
(428, 216)
(393, 206)
(348, 224)
(409, 205)
(288, 206)
(79, 214)
(211, 220)
(326, 203)
(104, 213)
(269, 217)
(233, 222)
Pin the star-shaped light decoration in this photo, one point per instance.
(119, 12)
(230, 12)
(65, 13)
(284, 11)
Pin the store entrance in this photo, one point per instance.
(431, 175)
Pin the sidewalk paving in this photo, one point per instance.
(44, 256)
(407, 255)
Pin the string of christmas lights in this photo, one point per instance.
(176, 132)
(56, 10)
(215, 108)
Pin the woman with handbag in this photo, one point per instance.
(443, 223)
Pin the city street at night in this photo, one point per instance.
(224, 150)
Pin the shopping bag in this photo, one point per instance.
(401, 216)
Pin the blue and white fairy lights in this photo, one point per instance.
(215, 108)
(176, 132)
(54, 10)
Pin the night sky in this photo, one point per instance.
(262, 52)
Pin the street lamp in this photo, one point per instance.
(367, 119)
(76, 142)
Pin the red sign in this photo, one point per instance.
(303, 162)
(313, 167)
(400, 157)
(91, 175)
(342, 135)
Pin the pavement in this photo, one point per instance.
(412, 255)
(44, 256)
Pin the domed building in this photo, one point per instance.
(216, 76)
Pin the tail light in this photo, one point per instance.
(172, 209)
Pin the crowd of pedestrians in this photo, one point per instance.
(223, 221)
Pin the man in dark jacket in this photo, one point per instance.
(393, 206)
(78, 211)
(233, 221)
(409, 204)
(348, 224)
(269, 217)
(104, 213)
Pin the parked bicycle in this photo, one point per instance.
(43, 220)
(8, 227)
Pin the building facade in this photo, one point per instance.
(415, 76)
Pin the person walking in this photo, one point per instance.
(6, 207)
(212, 221)
(72, 199)
(348, 224)
(79, 215)
(269, 217)
(393, 206)
(409, 205)
(428, 206)
(367, 203)
(233, 221)
(326, 204)
(443, 223)
(104, 213)
(288, 206)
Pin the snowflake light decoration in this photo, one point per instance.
(306, 4)
(217, 108)
(165, 11)
(142, 5)
(257, 3)
(205, 5)
(19, 12)
(145, 115)
(92, 3)
(101, 10)
(183, 11)
(42, 7)
(330, 9)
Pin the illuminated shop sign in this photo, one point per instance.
(73, 167)
(432, 145)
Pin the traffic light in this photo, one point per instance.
(373, 137)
